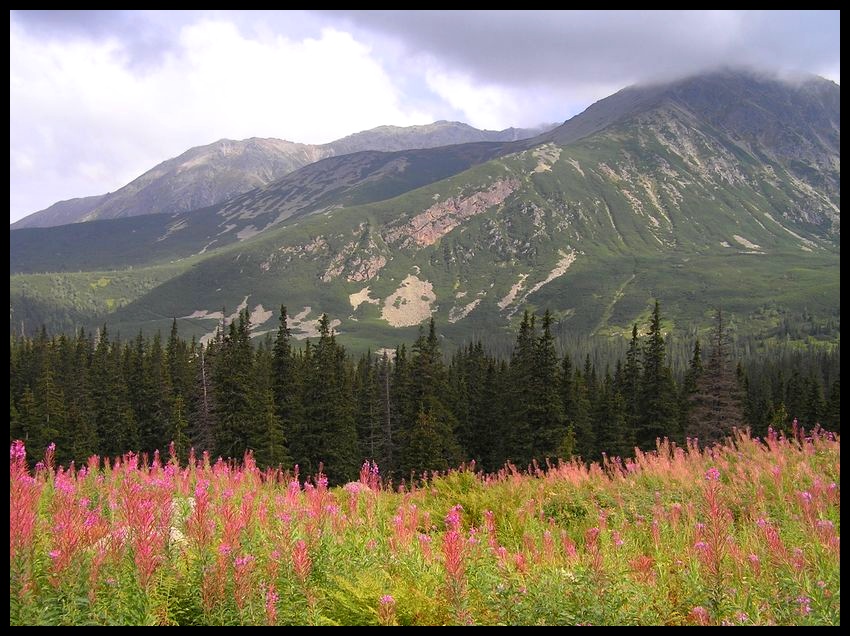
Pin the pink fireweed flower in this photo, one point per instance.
(425, 546)
(755, 563)
(700, 615)
(806, 497)
(568, 545)
(712, 474)
(355, 487)
(271, 605)
(301, 562)
(805, 604)
(386, 610)
(642, 566)
(453, 518)
(521, 563)
(548, 545)
(798, 559)
(242, 579)
(17, 451)
(453, 552)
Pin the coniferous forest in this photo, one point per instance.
(311, 403)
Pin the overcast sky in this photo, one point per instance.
(98, 97)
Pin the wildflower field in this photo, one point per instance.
(744, 533)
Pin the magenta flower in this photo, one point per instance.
(700, 615)
(17, 450)
(712, 474)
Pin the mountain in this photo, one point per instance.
(717, 189)
(208, 175)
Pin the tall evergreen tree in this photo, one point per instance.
(658, 405)
(329, 422)
(716, 406)
(689, 386)
(546, 413)
(179, 432)
(287, 386)
(428, 390)
(202, 423)
(232, 389)
(609, 418)
(585, 435)
(520, 439)
(368, 414)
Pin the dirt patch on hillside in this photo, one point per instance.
(410, 304)
(358, 298)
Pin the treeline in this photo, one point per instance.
(410, 411)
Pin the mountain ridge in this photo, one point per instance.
(207, 175)
(651, 200)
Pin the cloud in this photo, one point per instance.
(84, 121)
(98, 97)
(528, 48)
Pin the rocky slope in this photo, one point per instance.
(656, 192)
(208, 175)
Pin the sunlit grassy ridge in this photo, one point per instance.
(744, 533)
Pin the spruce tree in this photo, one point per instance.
(608, 418)
(426, 448)
(329, 423)
(179, 432)
(546, 413)
(429, 389)
(386, 458)
(519, 445)
(657, 417)
(232, 388)
(368, 414)
(585, 444)
(286, 383)
(689, 386)
(716, 404)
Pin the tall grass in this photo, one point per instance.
(743, 533)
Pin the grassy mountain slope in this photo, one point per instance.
(663, 201)
(153, 239)
(208, 175)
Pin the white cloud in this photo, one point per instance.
(483, 106)
(82, 122)
(496, 107)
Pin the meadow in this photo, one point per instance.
(746, 532)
